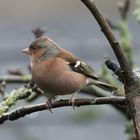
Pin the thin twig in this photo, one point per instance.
(124, 7)
(38, 32)
(15, 78)
(22, 111)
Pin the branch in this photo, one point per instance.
(29, 92)
(15, 78)
(22, 111)
(105, 28)
(131, 81)
(12, 97)
(93, 92)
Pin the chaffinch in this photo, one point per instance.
(58, 71)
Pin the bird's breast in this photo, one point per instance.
(55, 77)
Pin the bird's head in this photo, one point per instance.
(42, 48)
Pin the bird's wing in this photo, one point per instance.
(81, 67)
(76, 64)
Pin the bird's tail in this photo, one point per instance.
(102, 85)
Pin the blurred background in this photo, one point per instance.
(71, 25)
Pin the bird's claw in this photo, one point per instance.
(49, 104)
(72, 101)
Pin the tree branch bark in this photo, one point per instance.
(91, 91)
(105, 28)
(22, 111)
(131, 81)
(15, 78)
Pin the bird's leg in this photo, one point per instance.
(49, 103)
(72, 100)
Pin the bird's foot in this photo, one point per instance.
(72, 100)
(49, 104)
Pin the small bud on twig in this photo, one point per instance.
(115, 68)
(124, 6)
(38, 32)
(15, 72)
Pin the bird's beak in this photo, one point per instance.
(26, 51)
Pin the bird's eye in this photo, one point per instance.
(33, 48)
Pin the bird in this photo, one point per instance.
(58, 71)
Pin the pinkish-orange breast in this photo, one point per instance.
(55, 76)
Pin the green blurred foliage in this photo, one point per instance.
(137, 11)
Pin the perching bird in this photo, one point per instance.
(58, 71)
